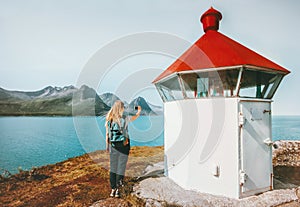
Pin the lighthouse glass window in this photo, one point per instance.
(259, 84)
(170, 89)
(212, 83)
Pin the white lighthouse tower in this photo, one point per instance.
(217, 111)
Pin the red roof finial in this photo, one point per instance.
(210, 19)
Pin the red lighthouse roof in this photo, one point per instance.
(215, 50)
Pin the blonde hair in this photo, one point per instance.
(116, 112)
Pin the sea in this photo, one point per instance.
(28, 142)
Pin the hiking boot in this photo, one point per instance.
(113, 192)
(117, 194)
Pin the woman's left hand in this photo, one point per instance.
(126, 142)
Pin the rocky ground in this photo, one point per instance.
(286, 164)
(286, 153)
(162, 191)
(83, 181)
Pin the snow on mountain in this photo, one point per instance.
(47, 92)
(55, 92)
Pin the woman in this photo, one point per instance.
(118, 144)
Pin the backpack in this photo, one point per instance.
(116, 132)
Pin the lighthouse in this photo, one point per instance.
(217, 115)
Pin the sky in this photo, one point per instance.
(53, 42)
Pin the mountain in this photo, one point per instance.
(66, 101)
(147, 108)
(52, 101)
(109, 99)
(140, 101)
(87, 102)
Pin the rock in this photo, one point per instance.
(163, 191)
(157, 167)
(286, 176)
(270, 198)
(286, 153)
(279, 184)
(112, 202)
(154, 170)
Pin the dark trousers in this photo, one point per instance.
(118, 160)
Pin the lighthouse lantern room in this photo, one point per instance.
(217, 115)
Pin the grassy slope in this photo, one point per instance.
(78, 181)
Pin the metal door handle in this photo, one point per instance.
(268, 142)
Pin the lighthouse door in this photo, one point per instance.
(255, 147)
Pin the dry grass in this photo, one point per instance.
(78, 181)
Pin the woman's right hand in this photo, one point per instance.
(139, 110)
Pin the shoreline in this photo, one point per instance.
(19, 168)
(288, 151)
(288, 154)
(277, 154)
